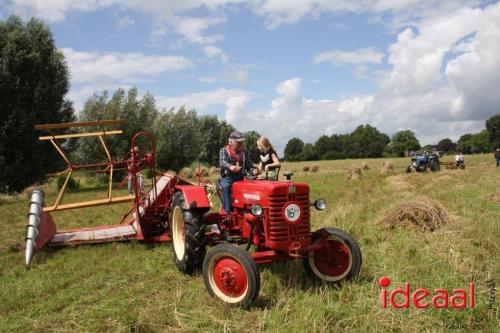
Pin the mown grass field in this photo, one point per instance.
(135, 287)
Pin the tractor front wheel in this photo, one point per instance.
(231, 275)
(339, 259)
(188, 236)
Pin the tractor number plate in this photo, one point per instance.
(292, 213)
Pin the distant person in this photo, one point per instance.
(497, 156)
(234, 160)
(459, 160)
(269, 160)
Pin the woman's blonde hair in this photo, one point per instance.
(263, 140)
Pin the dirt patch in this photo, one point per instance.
(387, 168)
(424, 214)
(354, 173)
(495, 197)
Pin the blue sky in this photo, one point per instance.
(289, 68)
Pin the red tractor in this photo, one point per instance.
(271, 218)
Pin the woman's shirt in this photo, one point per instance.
(267, 158)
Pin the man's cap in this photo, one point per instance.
(237, 136)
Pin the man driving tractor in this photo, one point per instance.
(234, 161)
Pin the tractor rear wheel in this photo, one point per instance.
(231, 275)
(435, 166)
(188, 236)
(339, 259)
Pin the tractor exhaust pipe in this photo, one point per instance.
(34, 215)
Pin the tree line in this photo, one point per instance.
(366, 141)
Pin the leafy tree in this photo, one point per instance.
(140, 114)
(323, 145)
(366, 141)
(308, 153)
(493, 129)
(178, 140)
(293, 148)
(445, 145)
(480, 142)
(464, 144)
(33, 82)
(213, 135)
(251, 145)
(402, 142)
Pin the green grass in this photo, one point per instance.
(135, 287)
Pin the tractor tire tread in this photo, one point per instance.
(194, 235)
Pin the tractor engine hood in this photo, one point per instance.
(265, 193)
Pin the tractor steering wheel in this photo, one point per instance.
(249, 173)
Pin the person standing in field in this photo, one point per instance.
(497, 156)
(269, 160)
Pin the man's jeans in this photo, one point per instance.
(498, 161)
(225, 184)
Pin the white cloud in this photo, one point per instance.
(278, 12)
(203, 100)
(461, 86)
(53, 10)
(98, 67)
(192, 28)
(232, 74)
(212, 51)
(125, 21)
(357, 57)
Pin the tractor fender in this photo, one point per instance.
(194, 196)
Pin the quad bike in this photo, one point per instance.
(270, 222)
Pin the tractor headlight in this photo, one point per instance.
(256, 210)
(320, 204)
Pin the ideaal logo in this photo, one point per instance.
(423, 298)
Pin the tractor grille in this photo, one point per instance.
(278, 230)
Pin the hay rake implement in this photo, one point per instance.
(147, 218)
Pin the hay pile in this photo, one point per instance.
(354, 173)
(213, 171)
(365, 166)
(315, 168)
(387, 168)
(186, 172)
(424, 214)
(495, 197)
(398, 183)
(306, 168)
